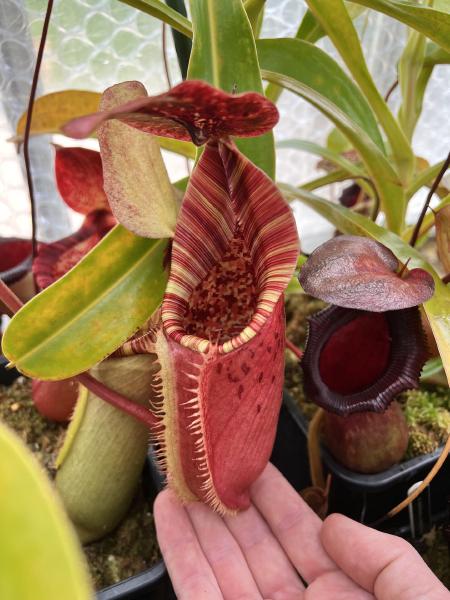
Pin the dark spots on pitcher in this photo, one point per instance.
(245, 368)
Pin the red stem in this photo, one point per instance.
(26, 137)
(390, 90)
(433, 188)
(9, 298)
(118, 401)
(298, 353)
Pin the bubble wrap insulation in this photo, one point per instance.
(95, 43)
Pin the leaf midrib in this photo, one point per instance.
(96, 300)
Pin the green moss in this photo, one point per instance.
(427, 412)
(298, 308)
(293, 381)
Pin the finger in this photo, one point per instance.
(383, 564)
(271, 568)
(189, 571)
(338, 586)
(292, 522)
(223, 554)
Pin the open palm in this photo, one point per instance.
(279, 549)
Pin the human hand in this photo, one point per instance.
(262, 552)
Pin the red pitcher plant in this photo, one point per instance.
(218, 338)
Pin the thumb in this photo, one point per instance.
(385, 565)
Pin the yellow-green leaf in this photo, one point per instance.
(349, 222)
(159, 10)
(306, 70)
(442, 221)
(40, 557)
(334, 157)
(334, 18)
(255, 13)
(309, 31)
(432, 22)
(51, 111)
(88, 313)
(428, 221)
(186, 149)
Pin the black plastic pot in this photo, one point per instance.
(7, 376)
(154, 583)
(365, 498)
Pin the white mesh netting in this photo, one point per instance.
(95, 43)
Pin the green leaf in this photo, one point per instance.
(309, 72)
(415, 70)
(323, 180)
(40, 556)
(255, 12)
(334, 157)
(335, 20)
(309, 31)
(431, 367)
(88, 313)
(337, 142)
(410, 69)
(435, 55)
(433, 23)
(425, 177)
(294, 286)
(157, 8)
(349, 222)
(186, 149)
(224, 55)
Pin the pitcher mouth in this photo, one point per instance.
(233, 254)
(360, 361)
(225, 310)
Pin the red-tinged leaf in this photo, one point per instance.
(357, 272)
(192, 110)
(442, 223)
(359, 361)
(54, 260)
(79, 178)
(136, 181)
(15, 258)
